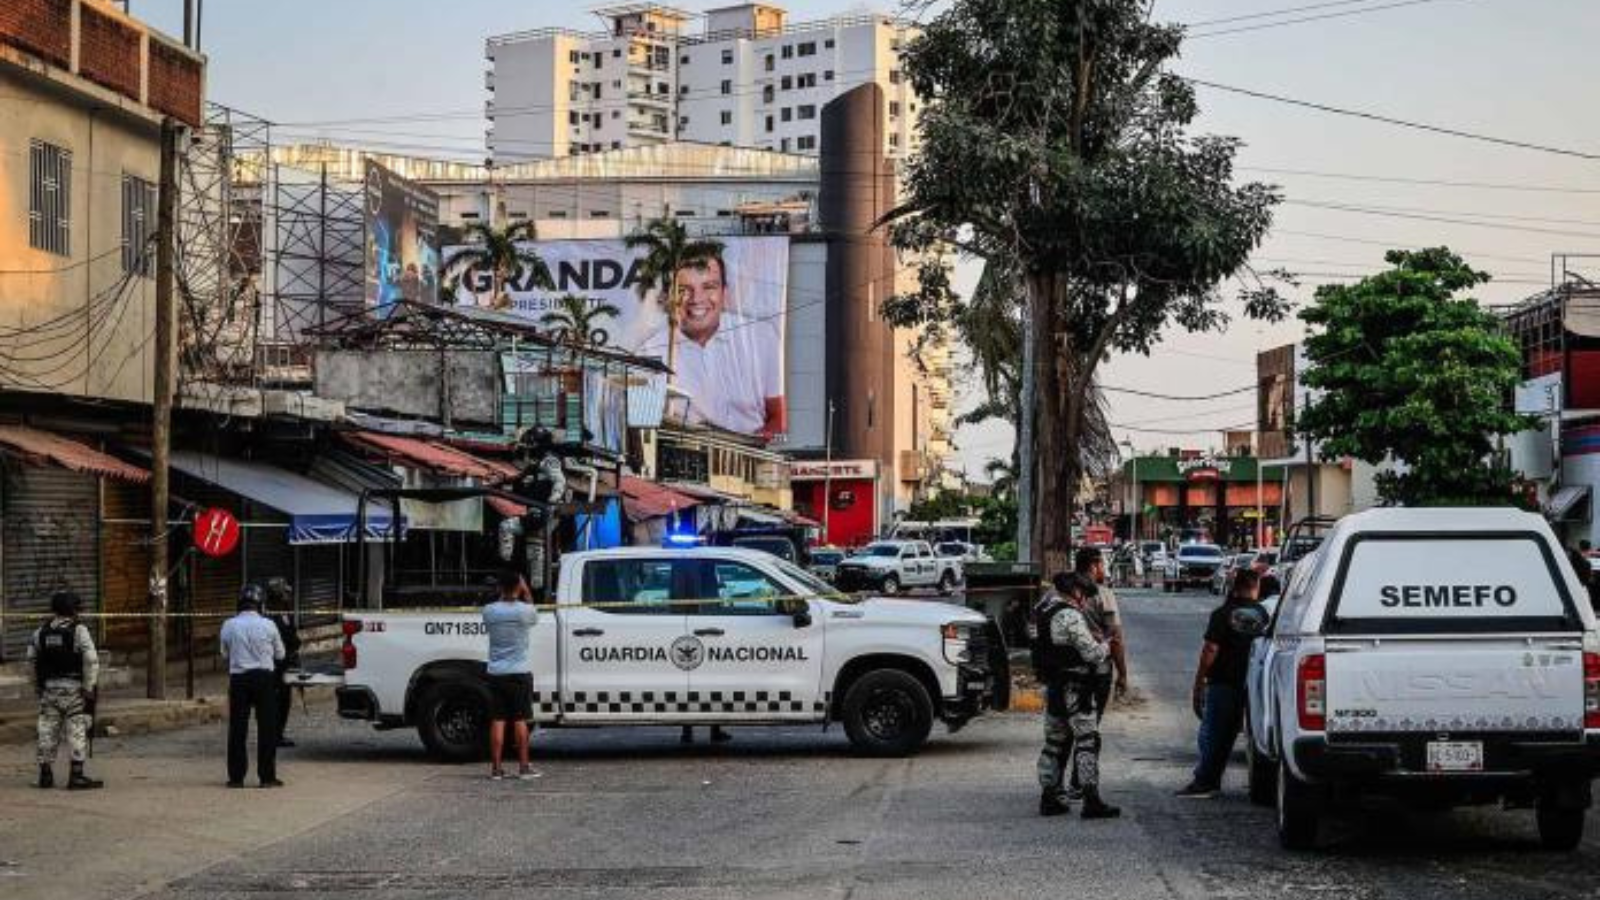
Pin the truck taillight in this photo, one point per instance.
(1591, 690)
(1312, 691)
(347, 652)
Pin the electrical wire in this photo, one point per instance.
(1183, 397)
(1318, 18)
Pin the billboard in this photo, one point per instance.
(727, 349)
(402, 220)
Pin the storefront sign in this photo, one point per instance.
(1205, 468)
(816, 470)
(216, 532)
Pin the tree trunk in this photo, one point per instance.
(1057, 423)
(1025, 469)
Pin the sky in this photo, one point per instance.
(1513, 69)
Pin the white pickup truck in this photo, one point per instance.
(889, 566)
(688, 636)
(1443, 656)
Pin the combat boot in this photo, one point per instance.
(1052, 803)
(81, 782)
(1096, 808)
(47, 776)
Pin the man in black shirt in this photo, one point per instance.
(1219, 688)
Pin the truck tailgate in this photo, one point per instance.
(1400, 685)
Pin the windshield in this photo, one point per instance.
(809, 583)
(880, 550)
(1200, 551)
(952, 549)
(826, 557)
(1150, 547)
(1299, 547)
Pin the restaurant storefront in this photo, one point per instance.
(1229, 500)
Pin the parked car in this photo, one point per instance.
(1441, 657)
(825, 562)
(1193, 564)
(1266, 558)
(888, 566)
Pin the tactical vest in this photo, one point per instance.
(57, 653)
(1051, 661)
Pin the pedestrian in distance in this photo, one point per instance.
(1219, 688)
(66, 671)
(1068, 655)
(280, 611)
(508, 620)
(254, 649)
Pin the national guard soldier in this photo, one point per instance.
(66, 670)
(280, 612)
(1068, 656)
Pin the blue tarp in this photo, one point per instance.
(599, 532)
(318, 513)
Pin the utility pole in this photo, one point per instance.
(165, 376)
(827, 475)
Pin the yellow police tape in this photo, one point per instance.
(772, 600)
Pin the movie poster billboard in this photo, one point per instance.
(402, 240)
(726, 351)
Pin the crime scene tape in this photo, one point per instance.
(665, 603)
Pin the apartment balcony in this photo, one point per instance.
(651, 99)
(650, 129)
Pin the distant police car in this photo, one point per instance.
(692, 636)
(1443, 656)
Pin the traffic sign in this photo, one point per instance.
(216, 532)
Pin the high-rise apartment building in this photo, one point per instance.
(747, 79)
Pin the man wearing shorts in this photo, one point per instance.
(508, 620)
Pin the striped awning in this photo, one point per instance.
(47, 448)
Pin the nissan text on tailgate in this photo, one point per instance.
(1442, 656)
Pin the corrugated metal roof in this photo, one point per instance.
(643, 499)
(43, 447)
(433, 455)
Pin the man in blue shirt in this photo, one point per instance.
(508, 621)
(253, 648)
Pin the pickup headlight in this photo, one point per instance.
(958, 642)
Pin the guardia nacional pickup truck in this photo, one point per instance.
(688, 636)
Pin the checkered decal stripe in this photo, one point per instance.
(676, 702)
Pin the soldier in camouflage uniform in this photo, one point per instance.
(65, 672)
(1068, 656)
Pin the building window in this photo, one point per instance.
(727, 57)
(788, 51)
(599, 60)
(683, 121)
(616, 83)
(872, 408)
(572, 117)
(552, 214)
(727, 86)
(473, 215)
(616, 145)
(783, 144)
(786, 113)
(769, 62)
(894, 76)
(828, 75)
(806, 142)
(786, 83)
(49, 198)
(599, 214)
(616, 53)
(724, 213)
(683, 60)
(517, 214)
(894, 140)
(827, 44)
(767, 93)
(727, 117)
(597, 90)
(616, 114)
(573, 56)
(683, 89)
(663, 88)
(807, 111)
(663, 57)
(684, 213)
(138, 224)
(769, 124)
(809, 48)
(894, 109)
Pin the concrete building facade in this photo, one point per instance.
(749, 78)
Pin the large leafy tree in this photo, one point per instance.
(1055, 138)
(575, 320)
(505, 253)
(1412, 372)
(667, 248)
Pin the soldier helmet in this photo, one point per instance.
(279, 591)
(65, 604)
(252, 596)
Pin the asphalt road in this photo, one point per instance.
(778, 813)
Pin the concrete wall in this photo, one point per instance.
(805, 346)
(406, 383)
(102, 349)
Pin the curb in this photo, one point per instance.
(143, 719)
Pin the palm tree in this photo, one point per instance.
(668, 248)
(574, 320)
(504, 253)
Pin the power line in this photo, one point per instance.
(1444, 219)
(1400, 123)
(1317, 18)
(1273, 13)
(1425, 182)
(1184, 397)
(1398, 245)
(1243, 426)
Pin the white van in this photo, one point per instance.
(1443, 656)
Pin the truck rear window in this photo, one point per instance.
(1468, 583)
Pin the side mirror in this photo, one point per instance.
(797, 609)
(1250, 621)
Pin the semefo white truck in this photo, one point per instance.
(1442, 656)
(693, 636)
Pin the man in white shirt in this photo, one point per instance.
(731, 365)
(253, 647)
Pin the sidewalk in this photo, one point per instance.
(125, 710)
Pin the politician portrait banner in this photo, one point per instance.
(402, 219)
(727, 349)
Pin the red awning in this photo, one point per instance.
(44, 448)
(508, 508)
(434, 456)
(643, 499)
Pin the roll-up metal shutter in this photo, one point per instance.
(51, 542)
(318, 590)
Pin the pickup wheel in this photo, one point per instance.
(453, 720)
(887, 713)
(1262, 784)
(1299, 810)
(1560, 825)
(947, 583)
(891, 585)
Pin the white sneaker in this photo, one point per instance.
(529, 775)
